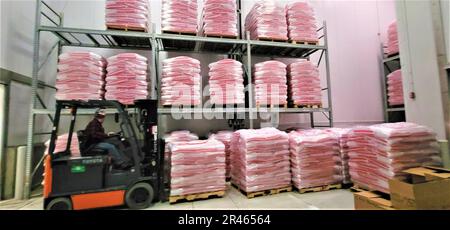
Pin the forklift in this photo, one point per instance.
(91, 181)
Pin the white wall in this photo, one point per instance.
(354, 46)
(355, 30)
(419, 51)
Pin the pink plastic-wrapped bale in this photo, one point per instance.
(175, 136)
(304, 83)
(226, 82)
(310, 149)
(81, 76)
(342, 134)
(395, 88)
(61, 145)
(126, 80)
(127, 14)
(267, 20)
(260, 159)
(301, 22)
(219, 18)
(382, 152)
(270, 83)
(225, 138)
(392, 42)
(197, 167)
(181, 81)
(179, 16)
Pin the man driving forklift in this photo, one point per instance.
(97, 138)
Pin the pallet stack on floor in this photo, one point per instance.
(197, 170)
(316, 163)
(385, 162)
(260, 162)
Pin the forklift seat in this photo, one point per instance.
(88, 150)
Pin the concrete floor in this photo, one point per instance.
(234, 200)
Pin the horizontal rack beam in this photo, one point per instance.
(199, 39)
(112, 39)
(292, 110)
(66, 112)
(285, 45)
(96, 32)
(393, 58)
(395, 109)
(168, 111)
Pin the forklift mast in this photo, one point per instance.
(153, 146)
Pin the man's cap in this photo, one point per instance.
(100, 113)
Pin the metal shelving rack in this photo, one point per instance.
(389, 65)
(242, 49)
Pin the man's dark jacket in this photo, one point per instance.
(95, 133)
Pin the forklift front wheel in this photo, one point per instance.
(61, 203)
(139, 196)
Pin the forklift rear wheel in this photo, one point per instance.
(61, 203)
(139, 196)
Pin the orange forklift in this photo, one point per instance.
(91, 181)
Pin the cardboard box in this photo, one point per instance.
(424, 188)
(367, 200)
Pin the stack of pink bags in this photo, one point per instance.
(181, 81)
(61, 145)
(301, 22)
(219, 18)
(343, 139)
(304, 83)
(127, 78)
(392, 43)
(179, 16)
(225, 138)
(270, 83)
(81, 76)
(260, 159)
(127, 14)
(175, 136)
(381, 152)
(226, 82)
(315, 158)
(395, 88)
(267, 20)
(197, 167)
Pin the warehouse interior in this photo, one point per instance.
(352, 56)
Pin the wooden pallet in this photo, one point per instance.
(220, 36)
(271, 106)
(180, 33)
(305, 43)
(267, 192)
(308, 106)
(194, 197)
(392, 55)
(271, 39)
(362, 188)
(347, 186)
(228, 106)
(128, 28)
(179, 106)
(320, 188)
